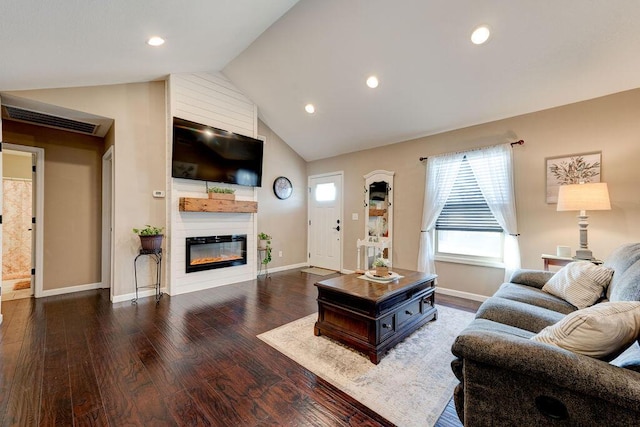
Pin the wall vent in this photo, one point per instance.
(49, 120)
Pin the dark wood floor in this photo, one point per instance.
(192, 360)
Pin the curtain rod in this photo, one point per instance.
(511, 143)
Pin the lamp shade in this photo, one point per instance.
(584, 197)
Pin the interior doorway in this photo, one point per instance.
(325, 221)
(20, 251)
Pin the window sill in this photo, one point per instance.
(469, 261)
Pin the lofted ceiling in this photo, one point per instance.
(284, 54)
(65, 43)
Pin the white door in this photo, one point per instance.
(325, 221)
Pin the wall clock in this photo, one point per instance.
(282, 187)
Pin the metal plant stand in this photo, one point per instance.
(156, 255)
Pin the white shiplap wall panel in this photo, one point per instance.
(209, 98)
(225, 99)
(205, 108)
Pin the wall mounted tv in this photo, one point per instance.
(206, 153)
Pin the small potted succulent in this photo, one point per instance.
(150, 237)
(221, 193)
(382, 267)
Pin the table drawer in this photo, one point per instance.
(386, 327)
(408, 312)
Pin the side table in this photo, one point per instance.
(561, 261)
(156, 255)
(262, 252)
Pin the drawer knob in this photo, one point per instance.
(386, 326)
(410, 313)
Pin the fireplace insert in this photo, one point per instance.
(210, 252)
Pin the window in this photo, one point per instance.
(325, 192)
(466, 229)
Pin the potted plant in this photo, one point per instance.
(382, 267)
(264, 243)
(221, 193)
(150, 237)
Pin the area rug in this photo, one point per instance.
(318, 271)
(412, 384)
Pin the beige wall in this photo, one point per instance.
(71, 202)
(139, 137)
(609, 124)
(284, 220)
(16, 166)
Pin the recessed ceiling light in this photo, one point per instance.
(309, 108)
(372, 82)
(480, 34)
(155, 41)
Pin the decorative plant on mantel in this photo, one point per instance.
(264, 242)
(222, 193)
(150, 237)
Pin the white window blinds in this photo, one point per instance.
(466, 208)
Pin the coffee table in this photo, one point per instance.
(373, 317)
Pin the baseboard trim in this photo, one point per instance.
(141, 294)
(70, 289)
(288, 267)
(345, 271)
(461, 294)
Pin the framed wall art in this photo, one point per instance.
(571, 169)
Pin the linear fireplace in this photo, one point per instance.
(206, 253)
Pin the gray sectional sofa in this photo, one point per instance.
(508, 379)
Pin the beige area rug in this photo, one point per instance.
(318, 271)
(412, 384)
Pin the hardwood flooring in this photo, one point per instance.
(191, 360)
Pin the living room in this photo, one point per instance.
(141, 112)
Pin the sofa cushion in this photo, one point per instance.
(579, 283)
(602, 331)
(534, 296)
(533, 278)
(625, 284)
(629, 359)
(518, 314)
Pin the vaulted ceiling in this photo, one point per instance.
(284, 54)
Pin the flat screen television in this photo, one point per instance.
(206, 153)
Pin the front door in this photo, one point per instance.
(325, 221)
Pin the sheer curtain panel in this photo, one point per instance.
(441, 174)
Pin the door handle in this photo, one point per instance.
(337, 228)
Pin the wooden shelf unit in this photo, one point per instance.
(196, 204)
(377, 212)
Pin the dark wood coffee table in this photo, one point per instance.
(373, 317)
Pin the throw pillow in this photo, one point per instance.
(601, 331)
(579, 283)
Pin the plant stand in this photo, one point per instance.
(156, 255)
(261, 255)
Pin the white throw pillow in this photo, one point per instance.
(599, 331)
(579, 283)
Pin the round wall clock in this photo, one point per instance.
(282, 187)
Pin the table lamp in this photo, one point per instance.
(584, 197)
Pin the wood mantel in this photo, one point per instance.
(195, 204)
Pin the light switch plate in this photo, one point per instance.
(354, 216)
(158, 193)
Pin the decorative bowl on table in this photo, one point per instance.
(391, 276)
